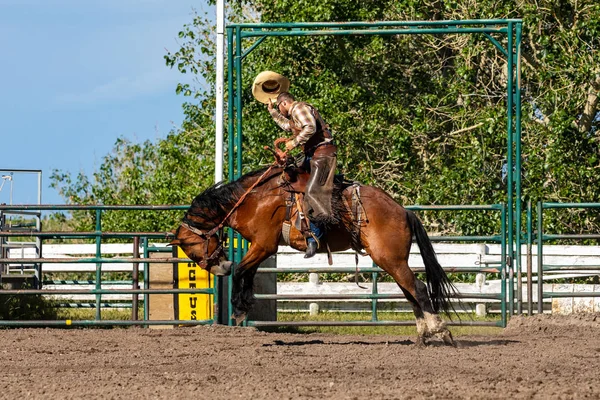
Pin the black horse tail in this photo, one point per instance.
(439, 287)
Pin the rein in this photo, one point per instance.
(241, 200)
(213, 231)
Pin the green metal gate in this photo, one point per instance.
(510, 28)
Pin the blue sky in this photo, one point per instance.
(77, 74)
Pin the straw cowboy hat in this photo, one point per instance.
(268, 84)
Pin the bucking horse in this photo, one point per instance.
(263, 206)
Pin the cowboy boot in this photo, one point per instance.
(311, 248)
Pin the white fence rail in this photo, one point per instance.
(449, 255)
(68, 251)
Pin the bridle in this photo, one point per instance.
(218, 230)
(206, 235)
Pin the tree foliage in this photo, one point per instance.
(422, 116)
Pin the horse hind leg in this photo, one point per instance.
(409, 285)
(435, 325)
(423, 332)
(428, 322)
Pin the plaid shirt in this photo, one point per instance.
(302, 119)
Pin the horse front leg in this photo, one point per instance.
(242, 291)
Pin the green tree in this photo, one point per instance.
(422, 116)
(171, 171)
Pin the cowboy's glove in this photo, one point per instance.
(290, 144)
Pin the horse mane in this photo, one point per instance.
(214, 202)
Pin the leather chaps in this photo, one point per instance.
(319, 188)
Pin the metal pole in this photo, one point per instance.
(238, 142)
(3, 251)
(10, 198)
(510, 166)
(230, 103)
(231, 66)
(517, 140)
(98, 265)
(135, 278)
(40, 187)
(146, 281)
(38, 240)
(238, 98)
(219, 92)
(374, 276)
(529, 259)
(540, 265)
(503, 264)
(493, 24)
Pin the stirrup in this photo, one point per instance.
(314, 237)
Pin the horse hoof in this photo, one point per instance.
(422, 342)
(238, 318)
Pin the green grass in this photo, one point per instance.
(378, 330)
(82, 314)
(90, 314)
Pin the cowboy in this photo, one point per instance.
(314, 136)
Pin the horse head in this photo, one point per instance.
(205, 248)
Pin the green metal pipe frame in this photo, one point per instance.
(74, 323)
(366, 296)
(375, 32)
(91, 260)
(103, 291)
(503, 256)
(91, 207)
(540, 265)
(93, 305)
(86, 235)
(363, 24)
(529, 258)
(146, 279)
(98, 265)
(97, 235)
(362, 270)
(509, 27)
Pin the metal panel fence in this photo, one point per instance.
(576, 266)
(578, 261)
(497, 266)
(140, 240)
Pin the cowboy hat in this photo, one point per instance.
(268, 84)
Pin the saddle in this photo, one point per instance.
(294, 179)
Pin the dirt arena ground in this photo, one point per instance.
(543, 357)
